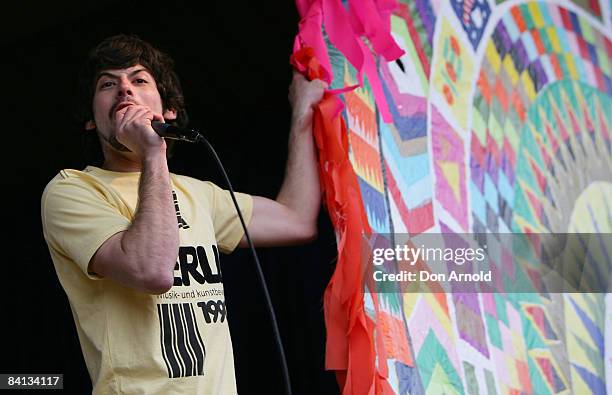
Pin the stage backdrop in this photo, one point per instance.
(474, 116)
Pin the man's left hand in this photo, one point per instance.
(303, 95)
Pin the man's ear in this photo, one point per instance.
(90, 125)
(169, 114)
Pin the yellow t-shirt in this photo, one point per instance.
(136, 343)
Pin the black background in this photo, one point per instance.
(233, 61)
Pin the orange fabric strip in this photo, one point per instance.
(350, 337)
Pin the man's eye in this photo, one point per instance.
(140, 81)
(107, 84)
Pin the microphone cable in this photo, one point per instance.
(199, 138)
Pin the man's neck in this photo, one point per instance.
(122, 163)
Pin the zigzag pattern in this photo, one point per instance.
(501, 124)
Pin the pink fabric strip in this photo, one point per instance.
(386, 8)
(303, 6)
(311, 35)
(371, 71)
(366, 19)
(340, 32)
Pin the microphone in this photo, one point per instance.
(174, 132)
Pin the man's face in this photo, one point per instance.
(114, 90)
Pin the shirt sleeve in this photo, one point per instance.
(77, 219)
(228, 229)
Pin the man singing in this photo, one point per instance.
(136, 248)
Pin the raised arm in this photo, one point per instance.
(143, 257)
(292, 217)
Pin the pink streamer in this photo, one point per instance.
(371, 71)
(341, 34)
(311, 35)
(368, 18)
(367, 21)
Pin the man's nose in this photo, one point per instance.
(125, 88)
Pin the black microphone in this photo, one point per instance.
(174, 132)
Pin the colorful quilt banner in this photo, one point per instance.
(463, 117)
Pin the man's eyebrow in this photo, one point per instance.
(115, 76)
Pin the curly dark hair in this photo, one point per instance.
(120, 52)
(123, 51)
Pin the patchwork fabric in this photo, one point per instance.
(480, 116)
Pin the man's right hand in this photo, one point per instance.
(133, 129)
